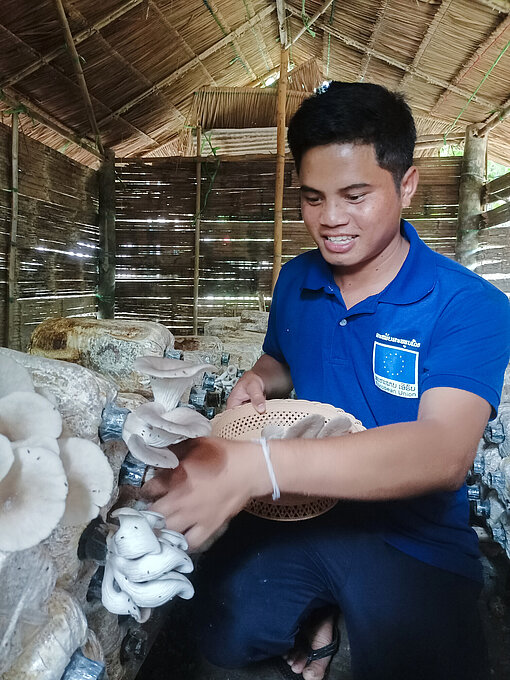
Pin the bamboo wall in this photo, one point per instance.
(493, 253)
(57, 236)
(155, 232)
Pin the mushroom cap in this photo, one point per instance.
(306, 428)
(90, 479)
(23, 414)
(134, 537)
(152, 566)
(15, 377)
(160, 457)
(118, 601)
(173, 538)
(153, 436)
(157, 592)
(162, 367)
(182, 421)
(336, 427)
(32, 498)
(6, 456)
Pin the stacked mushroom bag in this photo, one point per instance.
(48, 480)
(108, 346)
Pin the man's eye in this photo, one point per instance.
(355, 197)
(312, 199)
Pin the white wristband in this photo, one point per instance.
(267, 456)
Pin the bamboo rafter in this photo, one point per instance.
(431, 30)
(175, 33)
(78, 38)
(226, 30)
(398, 64)
(473, 60)
(178, 73)
(312, 20)
(73, 83)
(378, 23)
(14, 99)
(494, 119)
(282, 22)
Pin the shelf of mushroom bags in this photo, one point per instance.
(129, 557)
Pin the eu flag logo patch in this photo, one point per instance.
(396, 370)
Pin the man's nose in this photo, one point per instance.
(334, 213)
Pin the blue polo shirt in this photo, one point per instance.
(437, 324)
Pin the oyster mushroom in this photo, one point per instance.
(134, 536)
(183, 422)
(90, 480)
(6, 456)
(152, 455)
(336, 427)
(153, 565)
(23, 414)
(169, 377)
(118, 601)
(32, 497)
(157, 592)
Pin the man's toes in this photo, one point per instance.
(315, 671)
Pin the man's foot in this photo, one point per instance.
(320, 635)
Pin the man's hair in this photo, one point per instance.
(356, 113)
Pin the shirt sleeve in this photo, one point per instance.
(470, 345)
(271, 343)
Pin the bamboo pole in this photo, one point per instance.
(312, 20)
(107, 240)
(12, 281)
(472, 177)
(198, 208)
(280, 164)
(75, 57)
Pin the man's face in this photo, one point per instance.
(350, 205)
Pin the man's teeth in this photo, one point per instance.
(340, 239)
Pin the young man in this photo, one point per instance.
(412, 344)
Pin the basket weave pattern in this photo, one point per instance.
(243, 423)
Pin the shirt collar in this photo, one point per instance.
(416, 278)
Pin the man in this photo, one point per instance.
(412, 344)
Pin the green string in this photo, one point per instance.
(450, 128)
(306, 21)
(237, 57)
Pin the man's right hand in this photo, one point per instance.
(249, 389)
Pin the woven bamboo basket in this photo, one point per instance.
(244, 423)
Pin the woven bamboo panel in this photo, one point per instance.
(57, 235)
(155, 232)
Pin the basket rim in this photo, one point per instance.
(274, 406)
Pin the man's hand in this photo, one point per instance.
(213, 482)
(250, 388)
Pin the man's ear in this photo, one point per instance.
(409, 185)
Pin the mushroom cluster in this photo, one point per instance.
(153, 427)
(45, 479)
(145, 564)
(312, 426)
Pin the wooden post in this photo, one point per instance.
(198, 208)
(280, 164)
(472, 178)
(107, 241)
(13, 339)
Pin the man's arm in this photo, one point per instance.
(268, 378)
(216, 477)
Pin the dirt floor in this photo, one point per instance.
(174, 654)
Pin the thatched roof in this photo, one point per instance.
(144, 60)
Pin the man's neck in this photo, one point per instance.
(372, 277)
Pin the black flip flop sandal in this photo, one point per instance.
(330, 649)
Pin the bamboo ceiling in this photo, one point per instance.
(144, 60)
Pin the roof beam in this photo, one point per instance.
(282, 22)
(474, 59)
(126, 7)
(15, 100)
(179, 37)
(75, 58)
(378, 22)
(178, 73)
(429, 34)
(312, 20)
(350, 42)
(494, 119)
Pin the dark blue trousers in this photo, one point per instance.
(405, 619)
